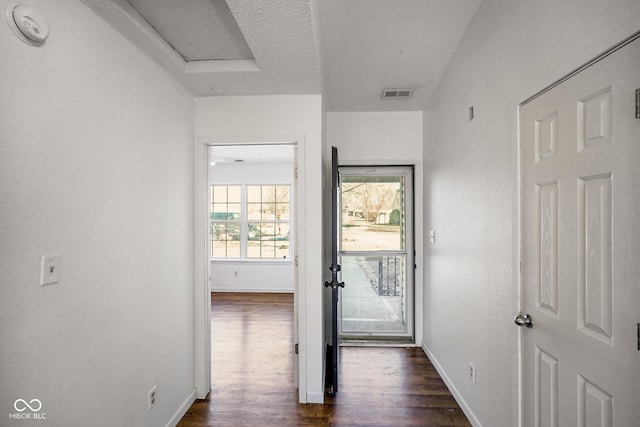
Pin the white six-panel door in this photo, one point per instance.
(580, 195)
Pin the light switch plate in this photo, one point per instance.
(50, 270)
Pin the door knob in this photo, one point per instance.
(524, 320)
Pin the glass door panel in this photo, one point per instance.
(372, 213)
(374, 300)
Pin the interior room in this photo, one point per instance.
(123, 123)
(245, 177)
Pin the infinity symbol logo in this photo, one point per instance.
(21, 403)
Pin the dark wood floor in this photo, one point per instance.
(253, 376)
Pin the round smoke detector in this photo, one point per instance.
(27, 24)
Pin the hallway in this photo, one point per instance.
(253, 376)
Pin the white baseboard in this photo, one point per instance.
(452, 388)
(315, 397)
(255, 290)
(182, 410)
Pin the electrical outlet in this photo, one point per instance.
(235, 274)
(472, 373)
(152, 397)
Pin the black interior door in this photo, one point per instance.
(335, 269)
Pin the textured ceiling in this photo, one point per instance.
(369, 45)
(198, 30)
(347, 50)
(278, 33)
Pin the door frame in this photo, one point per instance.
(520, 292)
(418, 233)
(410, 209)
(202, 293)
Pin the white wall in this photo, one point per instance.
(511, 50)
(252, 276)
(284, 118)
(96, 166)
(378, 137)
(385, 138)
(247, 275)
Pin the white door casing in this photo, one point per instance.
(403, 249)
(202, 297)
(580, 200)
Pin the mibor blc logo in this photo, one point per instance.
(28, 410)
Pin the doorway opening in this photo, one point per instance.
(251, 228)
(376, 253)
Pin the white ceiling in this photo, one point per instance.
(348, 50)
(369, 45)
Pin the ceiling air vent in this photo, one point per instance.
(397, 93)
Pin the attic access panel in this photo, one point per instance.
(199, 30)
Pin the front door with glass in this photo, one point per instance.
(376, 253)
